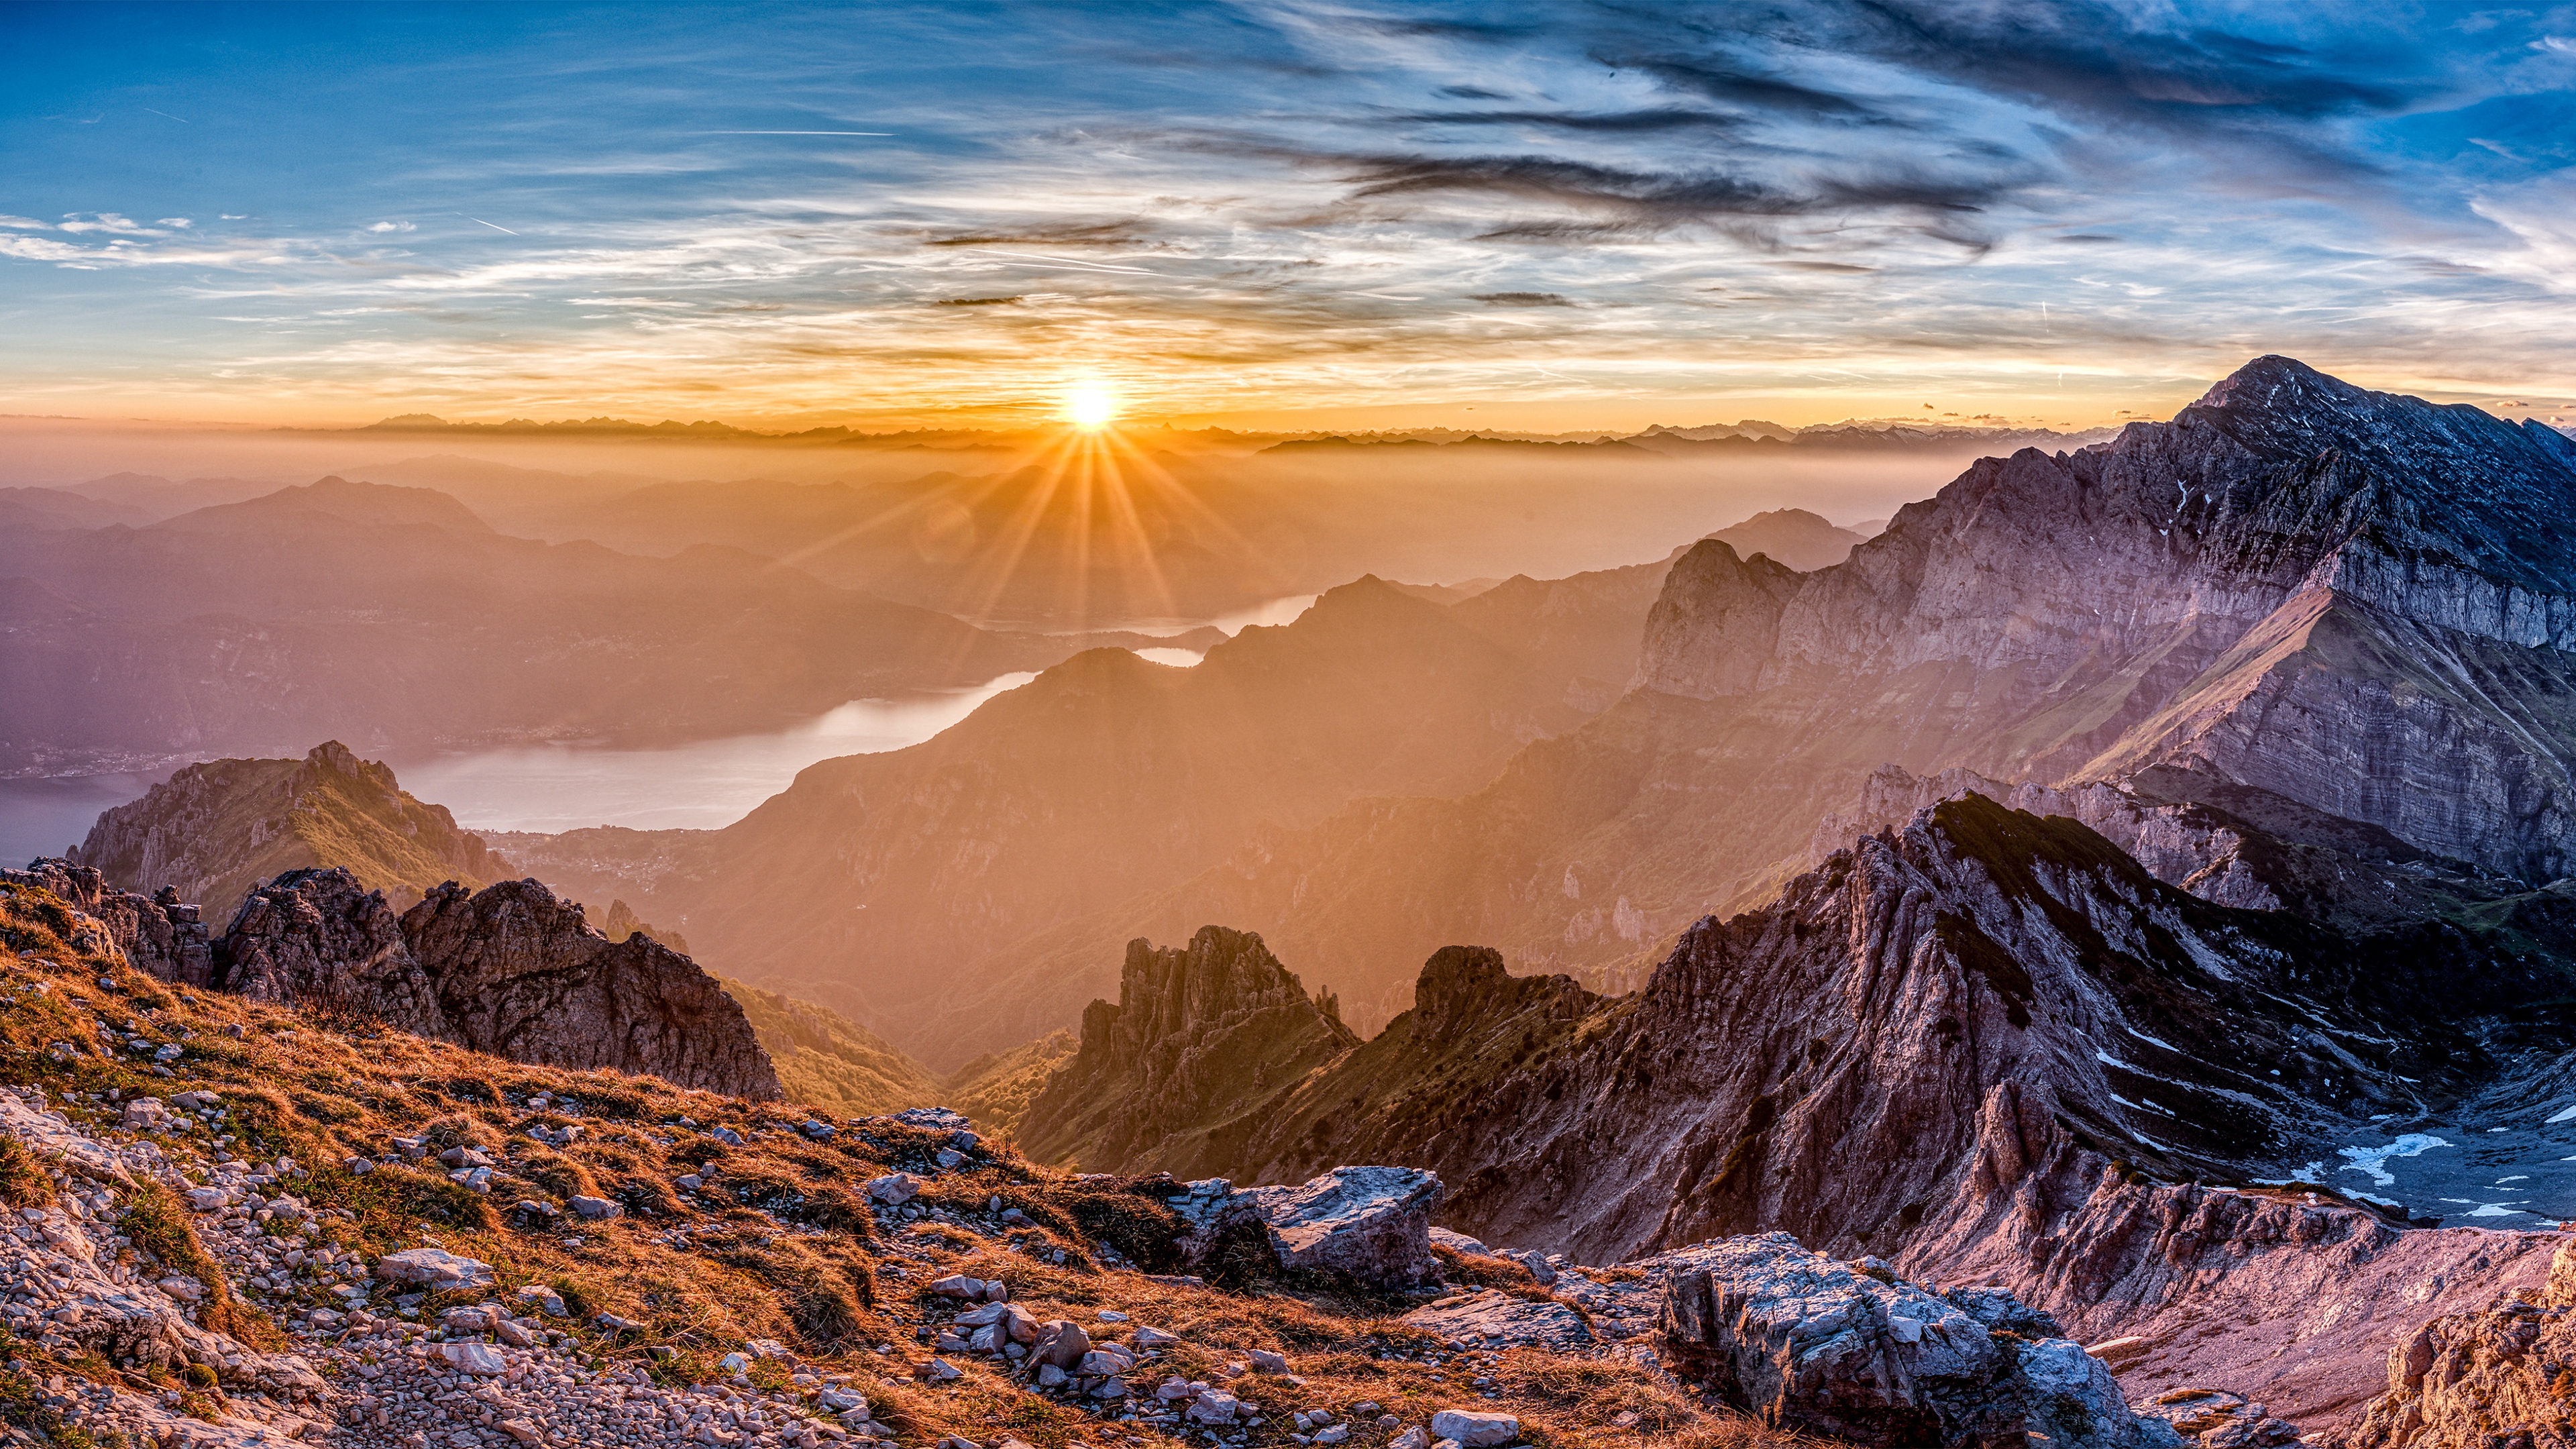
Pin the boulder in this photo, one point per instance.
(1373, 1223)
(1851, 1351)
(479, 1359)
(1457, 1242)
(1059, 1343)
(894, 1189)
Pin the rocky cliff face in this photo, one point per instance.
(2341, 599)
(1199, 1035)
(211, 832)
(509, 970)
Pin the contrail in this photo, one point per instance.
(796, 133)
(478, 221)
(165, 115)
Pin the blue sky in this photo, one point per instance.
(804, 212)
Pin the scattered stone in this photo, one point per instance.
(479, 1359)
(894, 1189)
(1474, 1428)
(434, 1268)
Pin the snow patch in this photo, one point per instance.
(2372, 1160)
(2563, 1114)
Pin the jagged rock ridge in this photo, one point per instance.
(2021, 1032)
(509, 970)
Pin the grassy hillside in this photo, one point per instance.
(996, 1088)
(214, 831)
(831, 1061)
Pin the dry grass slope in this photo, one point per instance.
(778, 1245)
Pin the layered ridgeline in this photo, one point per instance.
(2349, 601)
(213, 832)
(898, 886)
(395, 618)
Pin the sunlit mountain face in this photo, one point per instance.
(1575, 725)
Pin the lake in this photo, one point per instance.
(701, 786)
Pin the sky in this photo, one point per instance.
(1276, 214)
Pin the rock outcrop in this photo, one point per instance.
(2505, 1374)
(159, 934)
(1854, 1352)
(1370, 1224)
(1199, 1035)
(213, 832)
(509, 970)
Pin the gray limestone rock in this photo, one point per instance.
(1824, 1347)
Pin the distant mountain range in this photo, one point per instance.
(1748, 439)
(1881, 435)
(396, 619)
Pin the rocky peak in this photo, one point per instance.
(1716, 624)
(1199, 1035)
(2291, 574)
(1464, 987)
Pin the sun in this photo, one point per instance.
(1090, 406)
